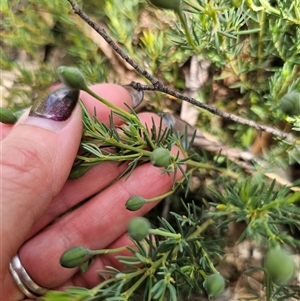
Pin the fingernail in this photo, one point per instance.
(176, 123)
(137, 96)
(57, 105)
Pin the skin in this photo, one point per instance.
(35, 191)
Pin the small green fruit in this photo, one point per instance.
(236, 3)
(160, 157)
(135, 203)
(167, 4)
(75, 257)
(214, 285)
(290, 103)
(72, 77)
(138, 228)
(280, 266)
(7, 116)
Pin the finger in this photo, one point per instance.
(100, 176)
(34, 169)
(5, 130)
(40, 188)
(75, 191)
(94, 181)
(95, 224)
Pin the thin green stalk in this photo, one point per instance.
(182, 19)
(164, 195)
(131, 275)
(108, 251)
(108, 158)
(109, 104)
(260, 36)
(95, 290)
(210, 167)
(131, 290)
(122, 112)
(176, 236)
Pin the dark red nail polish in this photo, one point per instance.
(57, 105)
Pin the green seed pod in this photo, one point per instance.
(214, 285)
(290, 103)
(75, 257)
(280, 266)
(72, 77)
(160, 157)
(236, 3)
(135, 203)
(7, 116)
(168, 4)
(138, 228)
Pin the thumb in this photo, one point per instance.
(36, 158)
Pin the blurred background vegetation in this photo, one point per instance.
(248, 51)
(252, 49)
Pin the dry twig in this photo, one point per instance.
(159, 86)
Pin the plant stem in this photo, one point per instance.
(108, 103)
(131, 290)
(182, 19)
(176, 236)
(210, 167)
(108, 251)
(159, 86)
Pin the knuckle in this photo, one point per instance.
(22, 160)
(23, 166)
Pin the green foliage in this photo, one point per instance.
(181, 261)
(265, 211)
(290, 103)
(36, 37)
(7, 116)
(254, 49)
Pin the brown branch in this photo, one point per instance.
(159, 86)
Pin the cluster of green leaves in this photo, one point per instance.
(184, 259)
(265, 210)
(36, 38)
(254, 42)
(164, 268)
(135, 143)
(132, 142)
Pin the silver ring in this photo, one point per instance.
(28, 287)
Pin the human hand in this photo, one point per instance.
(36, 158)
